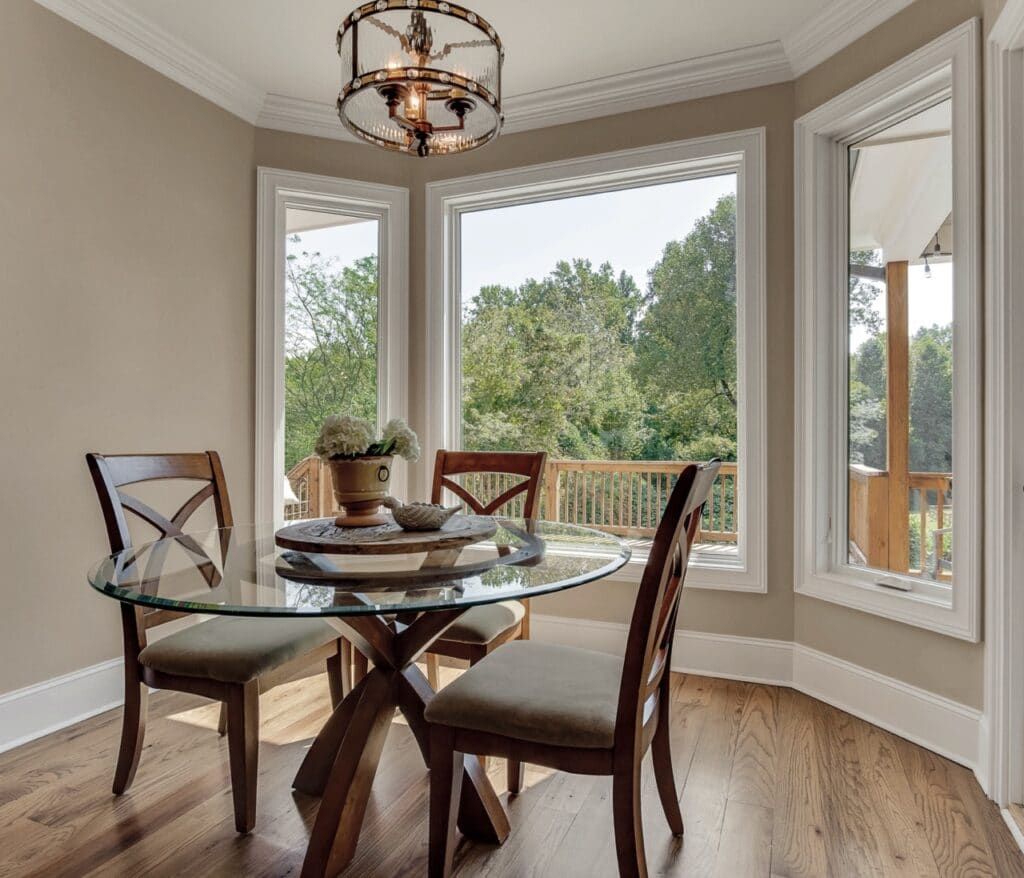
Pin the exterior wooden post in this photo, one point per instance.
(898, 414)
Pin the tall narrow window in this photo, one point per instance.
(331, 327)
(900, 416)
(609, 314)
(889, 381)
(331, 321)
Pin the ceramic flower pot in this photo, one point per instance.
(360, 486)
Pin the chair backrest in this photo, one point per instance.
(649, 646)
(111, 473)
(527, 464)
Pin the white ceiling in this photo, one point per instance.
(288, 48)
(274, 63)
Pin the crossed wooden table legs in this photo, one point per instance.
(342, 761)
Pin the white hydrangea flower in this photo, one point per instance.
(406, 443)
(344, 436)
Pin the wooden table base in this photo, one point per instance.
(343, 759)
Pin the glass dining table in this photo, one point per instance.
(392, 594)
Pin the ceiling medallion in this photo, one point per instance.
(421, 77)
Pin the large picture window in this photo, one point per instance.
(888, 334)
(608, 319)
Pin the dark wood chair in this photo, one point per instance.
(576, 710)
(231, 660)
(481, 630)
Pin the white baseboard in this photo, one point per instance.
(946, 727)
(1015, 831)
(30, 713)
(939, 724)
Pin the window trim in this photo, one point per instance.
(276, 191)
(948, 65)
(741, 152)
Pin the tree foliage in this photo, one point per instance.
(584, 364)
(330, 345)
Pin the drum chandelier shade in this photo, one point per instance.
(420, 76)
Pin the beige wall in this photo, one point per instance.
(126, 245)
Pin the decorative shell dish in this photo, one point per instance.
(420, 516)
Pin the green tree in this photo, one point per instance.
(548, 365)
(868, 403)
(686, 344)
(330, 344)
(931, 400)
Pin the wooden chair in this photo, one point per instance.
(230, 660)
(481, 630)
(576, 710)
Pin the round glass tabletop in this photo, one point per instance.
(242, 571)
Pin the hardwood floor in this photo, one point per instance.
(773, 784)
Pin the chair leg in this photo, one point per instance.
(629, 829)
(360, 666)
(346, 666)
(222, 719)
(661, 756)
(133, 731)
(243, 748)
(336, 677)
(515, 776)
(445, 792)
(434, 671)
(473, 659)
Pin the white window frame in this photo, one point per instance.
(277, 191)
(948, 66)
(742, 153)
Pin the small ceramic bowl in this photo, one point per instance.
(422, 516)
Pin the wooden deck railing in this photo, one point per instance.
(617, 496)
(930, 504)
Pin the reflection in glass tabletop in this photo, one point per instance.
(240, 571)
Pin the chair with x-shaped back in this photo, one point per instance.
(228, 660)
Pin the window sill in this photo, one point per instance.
(922, 610)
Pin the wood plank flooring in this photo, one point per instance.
(772, 784)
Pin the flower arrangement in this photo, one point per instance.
(345, 437)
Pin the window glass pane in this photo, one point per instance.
(900, 415)
(331, 306)
(602, 329)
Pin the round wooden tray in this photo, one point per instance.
(324, 537)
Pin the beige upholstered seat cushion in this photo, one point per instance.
(235, 650)
(536, 692)
(483, 624)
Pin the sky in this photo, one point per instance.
(628, 228)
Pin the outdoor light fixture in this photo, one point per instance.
(420, 76)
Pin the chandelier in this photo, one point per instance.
(420, 76)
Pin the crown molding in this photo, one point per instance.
(834, 28)
(297, 116)
(608, 95)
(116, 23)
(722, 72)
